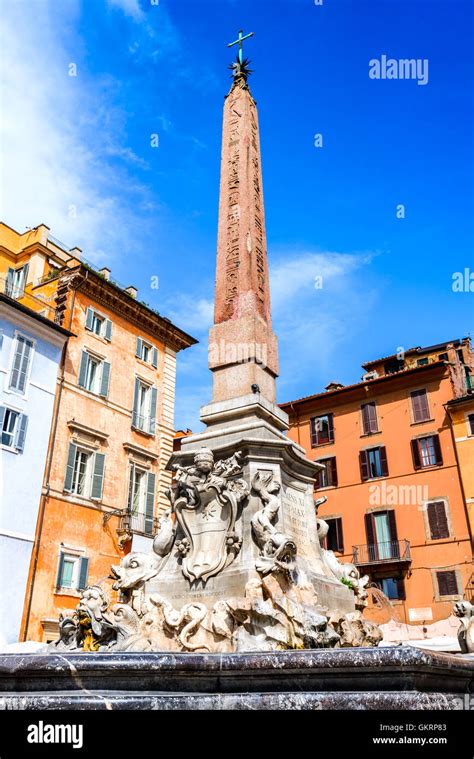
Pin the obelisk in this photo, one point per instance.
(243, 352)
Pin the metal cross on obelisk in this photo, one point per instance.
(239, 42)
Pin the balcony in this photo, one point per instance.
(136, 523)
(41, 305)
(389, 552)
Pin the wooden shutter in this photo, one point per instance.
(150, 503)
(20, 433)
(369, 418)
(437, 449)
(83, 572)
(89, 318)
(339, 535)
(152, 421)
(98, 476)
(470, 421)
(9, 287)
(419, 402)
(364, 465)
(138, 349)
(108, 330)
(71, 457)
(383, 461)
(437, 520)
(105, 379)
(154, 360)
(333, 471)
(25, 364)
(401, 594)
(2, 419)
(130, 487)
(25, 277)
(331, 427)
(135, 403)
(59, 577)
(392, 525)
(415, 452)
(83, 369)
(370, 534)
(447, 583)
(314, 431)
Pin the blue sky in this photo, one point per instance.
(78, 157)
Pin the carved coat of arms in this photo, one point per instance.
(205, 499)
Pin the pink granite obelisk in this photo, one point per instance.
(243, 351)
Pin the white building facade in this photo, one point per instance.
(30, 356)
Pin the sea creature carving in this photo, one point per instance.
(277, 550)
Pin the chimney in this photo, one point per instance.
(132, 291)
(105, 273)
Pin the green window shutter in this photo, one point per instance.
(150, 503)
(154, 361)
(59, 578)
(138, 349)
(10, 275)
(83, 369)
(25, 274)
(2, 417)
(20, 434)
(89, 318)
(71, 457)
(152, 422)
(135, 404)
(104, 384)
(108, 330)
(130, 484)
(98, 476)
(83, 572)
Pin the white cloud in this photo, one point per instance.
(58, 134)
(129, 7)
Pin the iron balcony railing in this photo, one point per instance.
(35, 303)
(379, 553)
(136, 522)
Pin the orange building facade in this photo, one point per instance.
(397, 497)
(112, 430)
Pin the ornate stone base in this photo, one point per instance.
(388, 678)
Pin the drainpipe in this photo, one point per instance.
(463, 492)
(48, 468)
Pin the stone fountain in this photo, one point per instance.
(239, 604)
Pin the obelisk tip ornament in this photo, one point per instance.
(243, 351)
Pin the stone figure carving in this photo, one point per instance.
(128, 630)
(345, 572)
(205, 499)
(465, 611)
(277, 550)
(183, 623)
(89, 628)
(164, 539)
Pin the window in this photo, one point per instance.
(373, 463)
(16, 281)
(419, 405)
(22, 357)
(422, 362)
(98, 324)
(470, 424)
(144, 407)
(327, 477)
(437, 520)
(334, 540)
(443, 357)
(394, 366)
(426, 451)
(392, 587)
(322, 429)
(84, 472)
(369, 418)
(447, 583)
(72, 572)
(141, 499)
(382, 536)
(94, 374)
(13, 428)
(146, 352)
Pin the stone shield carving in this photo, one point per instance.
(205, 500)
